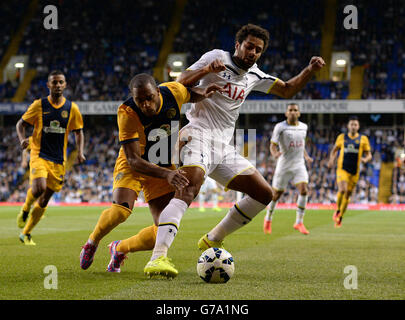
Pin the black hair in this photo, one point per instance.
(55, 73)
(141, 80)
(353, 118)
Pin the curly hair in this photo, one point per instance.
(255, 31)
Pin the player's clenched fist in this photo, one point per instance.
(316, 64)
(216, 66)
(177, 179)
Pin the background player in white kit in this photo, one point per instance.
(207, 150)
(210, 189)
(287, 145)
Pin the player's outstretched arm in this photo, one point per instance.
(189, 78)
(132, 151)
(79, 138)
(291, 87)
(198, 94)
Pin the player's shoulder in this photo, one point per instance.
(303, 125)
(363, 138)
(74, 105)
(37, 102)
(127, 106)
(340, 136)
(173, 85)
(281, 124)
(216, 54)
(255, 71)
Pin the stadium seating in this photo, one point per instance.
(10, 15)
(377, 45)
(99, 67)
(98, 56)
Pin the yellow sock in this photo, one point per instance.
(109, 219)
(29, 200)
(343, 206)
(143, 240)
(34, 218)
(339, 200)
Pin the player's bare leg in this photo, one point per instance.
(301, 204)
(270, 211)
(258, 195)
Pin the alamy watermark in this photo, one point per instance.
(168, 144)
(51, 280)
(351, 20)
(51, 20)
(350, 281)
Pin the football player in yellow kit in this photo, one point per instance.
(53, 118)
(354, 149)
(148, 113)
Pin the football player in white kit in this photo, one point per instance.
(209, 187)
(287, 145)
(206, 148)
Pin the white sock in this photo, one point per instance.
(239, 215)
(270, 210)
(301, 204)
(169, 223)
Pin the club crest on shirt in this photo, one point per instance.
(64, 114)
(171, 113)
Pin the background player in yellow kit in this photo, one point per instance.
(53, 118)
(354, 149)
(149, 113)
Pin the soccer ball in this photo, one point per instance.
(215, 265)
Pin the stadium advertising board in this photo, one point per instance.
(249, 107)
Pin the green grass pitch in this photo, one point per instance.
(285, 265)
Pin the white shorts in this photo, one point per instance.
(218, 159)
(284, 175)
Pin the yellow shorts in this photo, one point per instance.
(51, 171)
(152, 187)
(351, 179)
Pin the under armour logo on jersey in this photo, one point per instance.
(226, 75)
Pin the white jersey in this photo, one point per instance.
(219, 113)
(291, 141)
